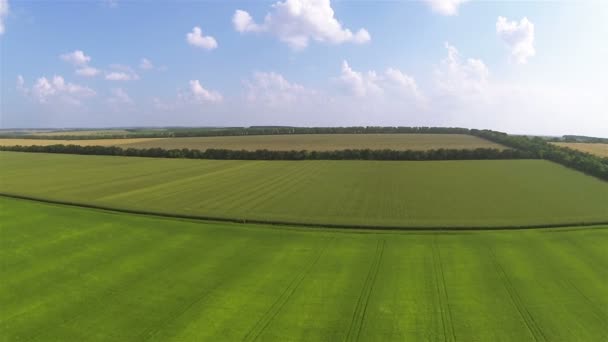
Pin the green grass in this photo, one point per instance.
(73, 274)
(427, 194)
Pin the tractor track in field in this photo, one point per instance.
(360, 312)
(442, 294)
(262, 324)
(528, 319)
(596, 309)
(360, 227)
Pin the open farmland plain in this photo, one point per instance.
(74, 274)
(593, 148)
(311, 142)
(84, 142)
(511, 193)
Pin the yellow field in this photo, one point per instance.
(84, 132)
(593, 148)
(92, 142)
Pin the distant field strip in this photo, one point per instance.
(593, 148)
(89, 142)
(311, 142)
(352, 193)
(73, 274)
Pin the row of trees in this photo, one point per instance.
(239, 131)
(366, 154)
(541, 149)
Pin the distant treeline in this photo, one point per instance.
(541, 149)
(580, 139)
(365, 154)
(240, 131)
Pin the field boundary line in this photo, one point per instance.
(360, 311)
(260, 326)
(300, 224)
(528, 319)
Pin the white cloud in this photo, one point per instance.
(243, 22)
(56, 89)
(196, 38)
(200, 94)
(272, 89)
(121, 73)
(296, 22)
(461, 78)
(445, 7)
(119, 96)
(88, 71)
(4, 8)
(76, 58)
(392, 82)
(359, 84)
(146, 64)
(519, 37)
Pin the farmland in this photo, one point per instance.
(316, 142)
(88, 142)
(324, 142)
(593, 148)
(80, 274)
(353, 193)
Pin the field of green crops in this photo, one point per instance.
(311, 142)
(323, 142)
(370, 193)
(73, 274)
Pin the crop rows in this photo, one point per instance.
(79, 274)
(352, 193)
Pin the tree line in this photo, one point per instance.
(539, 148)
(362, 154)
(243, 131)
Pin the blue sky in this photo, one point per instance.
(520, 67)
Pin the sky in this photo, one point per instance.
(533, 67)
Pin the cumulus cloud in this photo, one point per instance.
(119, 96)
(47, 90)
(296, 22)
(21, 84)
(272, 89)
(196, 38)
(3, 14)
(461, 77)
(519, 37)
(201, 95)
(392, 82)
(76, 58)
(146, 64)
(445, 7)
(88, 71)
(121, 73)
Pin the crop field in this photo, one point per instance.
(324, 142)
(88, 142)
(355, 193)
(316, 142)
(73, 274)
(593, 148)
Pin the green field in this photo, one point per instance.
(324, 142)
(72, 274)
(310, 142)
(402, 194)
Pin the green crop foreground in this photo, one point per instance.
(73, 274)
(349, 193)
